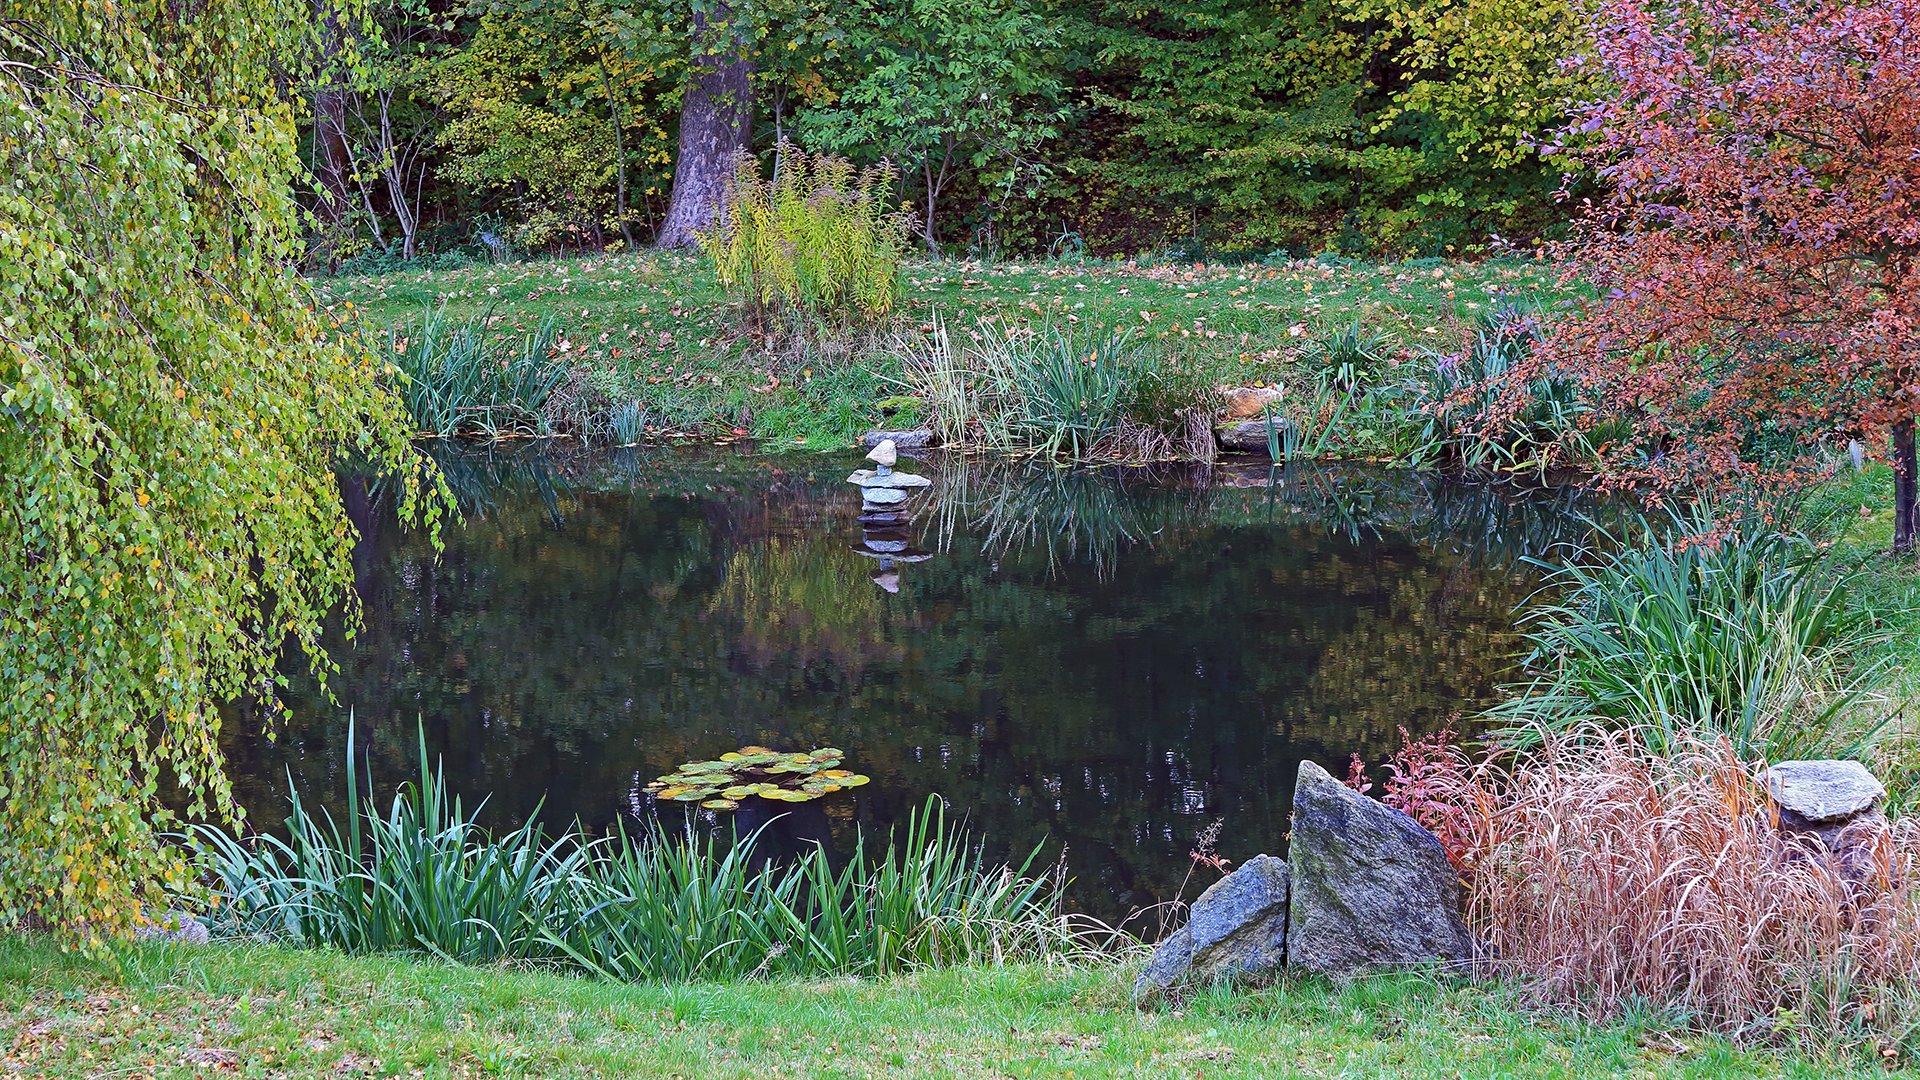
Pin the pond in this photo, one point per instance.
(1103, 663)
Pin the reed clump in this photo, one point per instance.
(462, 379)
(423, 876)
(1081, 393)
(1697, 629)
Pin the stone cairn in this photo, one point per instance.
(884, 511)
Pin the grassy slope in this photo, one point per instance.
(657, 328)
(266, 1012)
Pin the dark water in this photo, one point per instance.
(1106, 662)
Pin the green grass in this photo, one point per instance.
(658, 329)
(258, 1011)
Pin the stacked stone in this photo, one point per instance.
(884, 512)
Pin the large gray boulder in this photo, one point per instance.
(1371, 889)
(1239, 926)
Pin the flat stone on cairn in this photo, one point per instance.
(877, 498)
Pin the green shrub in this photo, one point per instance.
(816, 241)
(425, 877)
(456, 379)
(1749, 636)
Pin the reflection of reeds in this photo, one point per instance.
(1076, 515)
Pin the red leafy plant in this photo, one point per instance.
(1424, 778)
(1752, 273)
(1601, 876)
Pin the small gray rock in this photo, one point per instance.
(1371, 888)
(910, 439)
(1237, 926)
(1823, 792)
(1247, 436)
(174, 926)
(867, 478)
(881, 497)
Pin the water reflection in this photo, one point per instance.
(1108, 661)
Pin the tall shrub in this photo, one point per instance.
(817, 240)
(170, 404)
(1754, 272)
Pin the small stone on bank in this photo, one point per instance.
(1823, 792)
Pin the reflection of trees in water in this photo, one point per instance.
(1097, 659)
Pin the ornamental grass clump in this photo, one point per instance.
(1082, 393)
(460, 379)
(816, 243)
(653, 903)
(1607, 878)
(1747, 635)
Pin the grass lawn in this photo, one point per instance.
(253, 1011)
(657, 328)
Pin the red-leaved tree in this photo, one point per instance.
(1755, 256)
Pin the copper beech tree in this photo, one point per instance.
(1754, 261)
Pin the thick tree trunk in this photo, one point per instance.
(716, 120)
(1906, 483)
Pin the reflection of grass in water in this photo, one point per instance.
(1070, 514)
(1093, 515)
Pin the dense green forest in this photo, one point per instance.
(1216, 127)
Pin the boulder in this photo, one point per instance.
(1239, 926)
(1247, 436)
(1247, 402)
(1371, 888)
(1822, 792)
(910, 439)
(1823, 799)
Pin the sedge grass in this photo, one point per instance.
(423, 876)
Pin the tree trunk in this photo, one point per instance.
(716, 120)
(619, 149)
(332, 160)
(1906, 483)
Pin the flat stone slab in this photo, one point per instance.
(1238, 926)
(909, 439)
(867, 478)
(910, 555)
(1823, 792)
(1248, 436)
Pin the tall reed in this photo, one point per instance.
(1680, 632)
(1083, 393)
(459, 379)
(424, 876)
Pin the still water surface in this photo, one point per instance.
(1104, 662)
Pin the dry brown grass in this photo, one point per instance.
(1608, 879)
